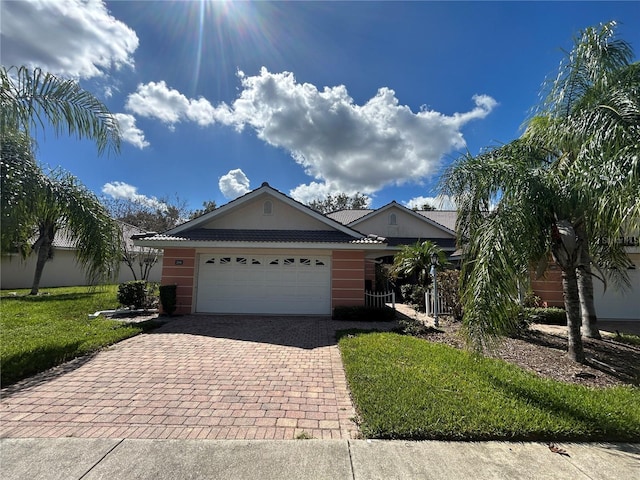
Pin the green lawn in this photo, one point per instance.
(39, 332)
(407, 388)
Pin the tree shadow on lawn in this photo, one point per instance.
(37, 363)
(57, 297)
(607, 427)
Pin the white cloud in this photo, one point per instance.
(124, 191)
(347, 147)
(343, 146)
(130, 133)
(157, 100)
(441, 202)
(234, 184)
(76, 38)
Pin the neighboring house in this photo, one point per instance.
(265, 253)
(63, 270)
(400, 226)
(613, 302)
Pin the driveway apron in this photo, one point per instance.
(213, 377)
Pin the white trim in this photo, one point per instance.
(245, 244)
(265, 189)
(404, 209)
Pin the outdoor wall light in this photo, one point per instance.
(434, 264)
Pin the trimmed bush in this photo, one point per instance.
(364, 314)
(168, 298)
(132, 294)
(547, 316)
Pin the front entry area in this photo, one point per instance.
(264, 284)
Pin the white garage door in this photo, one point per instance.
(618, 304)
(271, 284)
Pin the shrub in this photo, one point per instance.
(132, 294)
(168, 298)
(449, 287)
(413, 294)
(363, 313)
(548, 316)
(531, 300)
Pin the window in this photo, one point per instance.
(305, 261)
(211, 260)
(255, 261)
(392, 219)
(274, 262)
(267, 208)
(319, 263)
(225, 260)
(289, 261)
(241, 260)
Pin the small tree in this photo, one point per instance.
(208, 206)
(340, 201)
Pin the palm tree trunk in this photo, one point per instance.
(587, 305)
(585, 290)
(572, 306)
(44, 251)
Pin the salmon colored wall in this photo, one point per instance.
(180, 275)
(370, 272)
(549, 287)
(347, 278)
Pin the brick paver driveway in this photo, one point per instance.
(221, 377)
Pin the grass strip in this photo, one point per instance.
(40, 332)
(407, 388)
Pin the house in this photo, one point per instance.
(264, 253)
(614, 302)
(63, 270)
(400, 226)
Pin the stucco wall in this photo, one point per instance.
(613, 303)
(61, 271)
(282, 217)
(179, 269)
(549, 287)
(406, 226)
(347, 278)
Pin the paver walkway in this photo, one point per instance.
(214, 377)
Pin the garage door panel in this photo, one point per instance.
(264, 284)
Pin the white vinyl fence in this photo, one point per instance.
(443, 307)
(379, 299)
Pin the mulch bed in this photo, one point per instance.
(608, 362)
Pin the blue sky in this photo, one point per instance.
(215, 98)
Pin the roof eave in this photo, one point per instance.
(165, 243)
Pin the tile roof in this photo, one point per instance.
(345, 217)
(446, 218)
(446, 243)
(234, 235)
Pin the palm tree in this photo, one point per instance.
(549, 191)
(64, 203)
(36, 205)
(28, 98)
(416, 260)
(589, 107)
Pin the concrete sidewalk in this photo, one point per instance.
(113, 459)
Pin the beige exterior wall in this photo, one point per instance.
(61, 271)
(347, 278)
(251, 216)
(406, 225)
